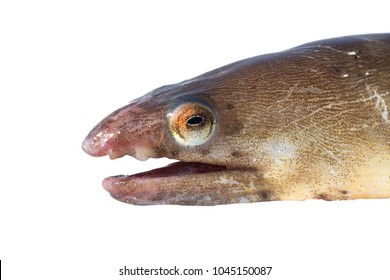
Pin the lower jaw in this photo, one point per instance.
(185, 183)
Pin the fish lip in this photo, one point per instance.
(145, 188)
(177, 169)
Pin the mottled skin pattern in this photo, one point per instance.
(308, 123)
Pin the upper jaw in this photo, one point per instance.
(102, 144)
(131, 130)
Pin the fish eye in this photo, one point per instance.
(192, 124)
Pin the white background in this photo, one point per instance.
(64, 65)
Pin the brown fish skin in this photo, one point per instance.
(308, 123)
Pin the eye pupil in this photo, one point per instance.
(195, 120)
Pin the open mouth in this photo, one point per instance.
(184, 183)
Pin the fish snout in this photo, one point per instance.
(100, 143)
(126, 132)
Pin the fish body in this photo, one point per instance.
(311, 122)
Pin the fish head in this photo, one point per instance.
(196, 122)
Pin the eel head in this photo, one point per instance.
(195, 122)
